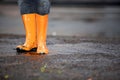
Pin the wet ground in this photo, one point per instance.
(94, 55)
(70, 58)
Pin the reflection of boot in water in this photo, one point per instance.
(42, 21)
(30, 28)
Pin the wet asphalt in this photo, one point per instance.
(69, 58)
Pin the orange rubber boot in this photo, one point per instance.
(30, 28)
(42, 22)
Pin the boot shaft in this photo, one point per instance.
(42, 23)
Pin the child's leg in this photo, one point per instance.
(42, 21)
(28, 11)
(43, 7)
(27, 6)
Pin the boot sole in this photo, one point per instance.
(22, 50)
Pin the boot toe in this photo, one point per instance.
(21, 48)
(42, 51)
